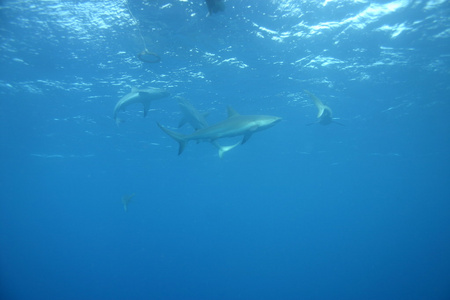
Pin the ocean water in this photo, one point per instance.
(359, 211)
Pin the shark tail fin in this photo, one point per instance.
(223, 149)
(180, 138)
(320, 106)
(321, 109)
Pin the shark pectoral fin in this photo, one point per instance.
(146, 108)
(247, 136)
(223, 149)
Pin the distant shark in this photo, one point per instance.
(126, 200)
(191, 115)
(144, 96)
(325, 115)
(234, 125)
(198, 121)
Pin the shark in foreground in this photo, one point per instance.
(234, 125)
(198, 121)
(324, 115)
(125, 200)
(144, 96)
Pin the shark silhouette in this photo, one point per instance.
(234, 125)
(324, 114)
(198, 120)
(191, 115)
(144, 96)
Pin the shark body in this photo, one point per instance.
(144, 96)
(324, 114)
(191, 115)
(198, 121)
(234, 125)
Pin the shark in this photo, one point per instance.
(125, 200)
(198, 121)
(191, 115)
(144, 96)
(324, 114)
(234, 125)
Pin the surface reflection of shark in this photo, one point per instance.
(125, 200)
(144, 96)
(234, 125)
(198, 121)
(324, 115)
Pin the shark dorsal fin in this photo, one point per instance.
(232, 112)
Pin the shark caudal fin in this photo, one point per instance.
(320, 106)
(180, 138)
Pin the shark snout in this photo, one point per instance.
(275, 120)
(268, 121)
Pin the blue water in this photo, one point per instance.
(360, 211)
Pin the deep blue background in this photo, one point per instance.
(360, 211)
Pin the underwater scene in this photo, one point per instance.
(225, 149)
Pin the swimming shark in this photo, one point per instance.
(191, 115)
(325, 115)
(234, 125)
(125, 200)
(144, 96)
(198, 120)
